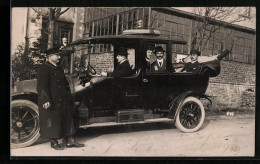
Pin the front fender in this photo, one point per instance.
(31, 96)
(177, 102)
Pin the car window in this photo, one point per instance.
(155, 61)
(101, 61)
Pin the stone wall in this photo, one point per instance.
(234, 87)
(231, 96)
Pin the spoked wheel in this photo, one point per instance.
(191, 115)
(24, 123)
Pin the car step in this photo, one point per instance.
(126, 123)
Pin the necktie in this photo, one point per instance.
(160, 64)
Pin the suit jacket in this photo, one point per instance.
(156, 67)
(122, 70)
(191, 67)
(64, 62)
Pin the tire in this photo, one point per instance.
(24, 125)
(191, 115)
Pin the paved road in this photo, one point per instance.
(219, 136)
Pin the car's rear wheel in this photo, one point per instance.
(191, 115)
(24, 123)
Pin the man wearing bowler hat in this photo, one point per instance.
(123, 68)
(55, 103)
(160, 63)
(192, 66)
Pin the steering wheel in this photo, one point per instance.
(91, 70)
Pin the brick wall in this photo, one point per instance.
(235, 73)
(102, 62)
(234, 87)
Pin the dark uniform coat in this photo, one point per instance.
(55, 122)
(122, 70)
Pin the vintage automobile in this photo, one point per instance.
(145, 97)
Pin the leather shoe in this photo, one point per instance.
(74, 144)
(55, 145)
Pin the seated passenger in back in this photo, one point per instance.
(195, 58)
(160, 63)
(191, 66)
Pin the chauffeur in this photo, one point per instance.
(123, 68)
(55, 104)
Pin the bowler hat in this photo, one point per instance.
(159, 49)
(149, 47)
(122, 51)
(194, 51)
(53, 50)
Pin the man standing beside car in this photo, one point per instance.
(55, 103)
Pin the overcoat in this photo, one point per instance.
(122, 70)
(57, 121)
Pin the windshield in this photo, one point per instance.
(101, 58)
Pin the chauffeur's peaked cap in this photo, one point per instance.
(53, 50)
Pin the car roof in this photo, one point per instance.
(114, 39)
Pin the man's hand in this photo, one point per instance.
(46, 105)
(103, 74)
(178, 69)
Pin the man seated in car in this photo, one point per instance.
(194, 59)
(160, 63)
(123, 68)
(149, 57)
(191, 66)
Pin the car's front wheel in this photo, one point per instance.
(24, 123)
(191, 115)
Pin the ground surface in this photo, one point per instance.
(219, 136)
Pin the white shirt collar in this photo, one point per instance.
(52, 63)
(122, 61)
(160, 61)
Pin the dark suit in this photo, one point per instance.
(159, 68)
(64, 62)
(191, 67)
(122, 70)
(56, 121)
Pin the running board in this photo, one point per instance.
(126, 123)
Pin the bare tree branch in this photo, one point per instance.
(62, 12)
(211, 19)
